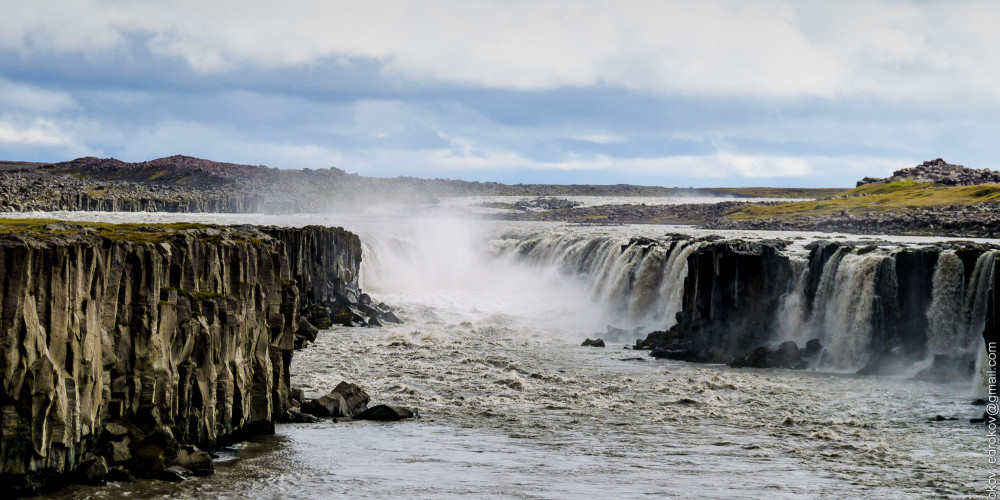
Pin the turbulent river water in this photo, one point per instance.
(512, 406)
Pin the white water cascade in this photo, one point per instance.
(957, 314)
(841, 312)
(977, 297)
(946, 328)
(639, 285)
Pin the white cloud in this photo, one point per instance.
(905, 50)
(466, 156)
(19, 132)
(17, 96)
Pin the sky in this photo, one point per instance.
(673, 93)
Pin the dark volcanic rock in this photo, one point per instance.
(119, 474)
(92, 470)
(345, 400)
(593, 343)
(197, 461)
(294, 416)
(386, 413)
(786, 355)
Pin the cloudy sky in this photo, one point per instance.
(688, 93)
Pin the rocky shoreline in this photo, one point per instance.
(135, 350)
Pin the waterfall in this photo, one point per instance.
(945, 327)
(672, 286)
(847, 318)
(639, 283)
(957, 314)
(842, 312)
(976, 300)
(792, 313)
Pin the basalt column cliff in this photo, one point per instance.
(128, 346)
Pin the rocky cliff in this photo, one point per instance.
(114, 337)
(865, 307)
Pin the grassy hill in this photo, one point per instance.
(900, 196)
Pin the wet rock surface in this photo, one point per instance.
(785, 355)
(134, 357)
(345, 400)
(386, 413)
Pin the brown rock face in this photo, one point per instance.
(191, 335)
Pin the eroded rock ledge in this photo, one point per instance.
(180, 329)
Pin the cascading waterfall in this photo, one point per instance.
(846, 329)
(672, 285)
(640, 284)
(957, 315)
(794, 316)
(946, 329)
(841, 312)
(980, 285)
(976, 297)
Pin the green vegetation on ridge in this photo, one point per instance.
(900, 196)
(132, 232)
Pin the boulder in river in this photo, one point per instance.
(293, 416)
(197, 461)
(92, 470)
(593, 343)
(154, 453)
(785, 355)
(119, 474)
(386, 413)
(345, 400)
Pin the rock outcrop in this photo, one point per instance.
(119, 347)
(940, 172)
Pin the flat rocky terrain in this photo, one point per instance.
(934, 198)
(186, 184)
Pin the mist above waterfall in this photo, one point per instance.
(450, 260)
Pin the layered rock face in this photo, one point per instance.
(188, 333)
